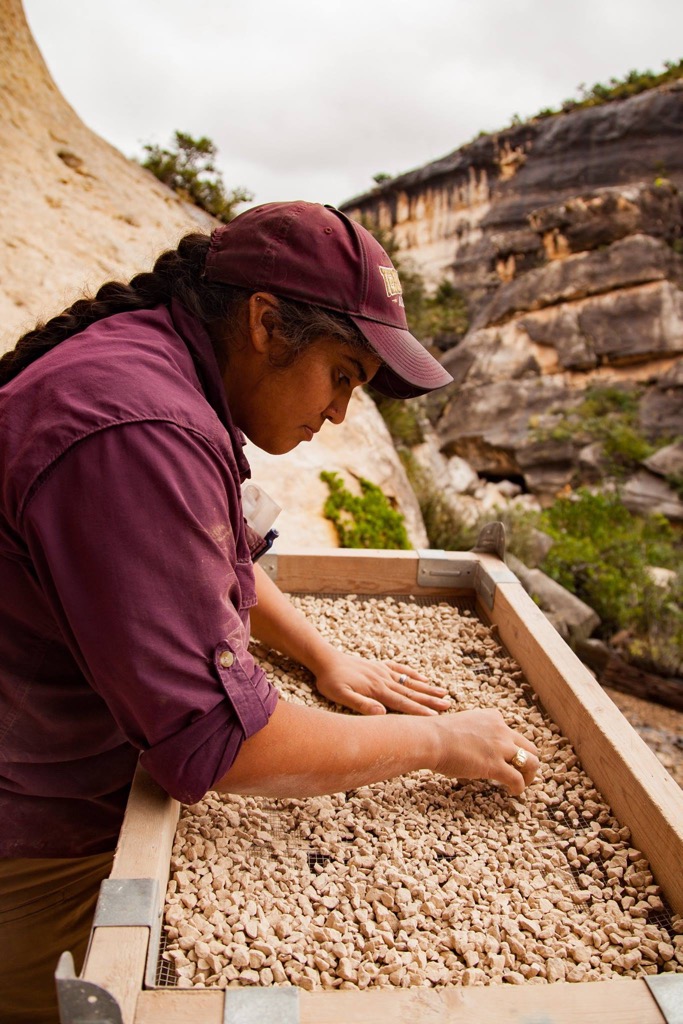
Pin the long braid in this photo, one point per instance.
(177, 273)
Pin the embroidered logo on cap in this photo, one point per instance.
(391, 281)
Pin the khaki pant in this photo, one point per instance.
(46, 907)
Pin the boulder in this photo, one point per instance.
(537, 546)
(668, 461)
(634, 325)
(617, 328)
(660, 412)
(489, 355)
(646, 493)
(453, 476)
(593, 466)
(558, 328)
(502, 430)
(571, 617)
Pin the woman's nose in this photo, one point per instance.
(336, 410)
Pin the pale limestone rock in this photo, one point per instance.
(453, 476)
(76, 212)
(667, 461)
(570, 616)
(645, 493)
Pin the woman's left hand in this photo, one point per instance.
(372, 687)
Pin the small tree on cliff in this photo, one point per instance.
(189, 168)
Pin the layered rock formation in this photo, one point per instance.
(565, 236)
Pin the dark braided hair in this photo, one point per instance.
(178, 274)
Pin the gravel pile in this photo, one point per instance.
(419, 881)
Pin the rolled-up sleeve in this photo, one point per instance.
(137, 538)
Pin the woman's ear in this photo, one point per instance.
(262, 319)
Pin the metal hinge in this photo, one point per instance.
(441, 569)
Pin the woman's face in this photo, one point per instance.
(288, 405)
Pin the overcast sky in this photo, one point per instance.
(308, 99)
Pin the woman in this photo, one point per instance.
(128, 587)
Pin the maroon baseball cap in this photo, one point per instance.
(316, 254)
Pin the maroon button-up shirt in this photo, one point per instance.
(125, 578)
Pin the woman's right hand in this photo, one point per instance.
(477, 744)
(304, 751)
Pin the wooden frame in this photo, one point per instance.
(642, 794)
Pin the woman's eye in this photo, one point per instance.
(343, 379)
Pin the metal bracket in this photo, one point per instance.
(127, 903)
(83, 1002)
(122, 903)
(491, 540)
(132, 903)
(268, 563)
(261, 1006)
(667, 990)
(441, 569)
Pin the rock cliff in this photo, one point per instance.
(565, 236)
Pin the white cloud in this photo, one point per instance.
(309, 99)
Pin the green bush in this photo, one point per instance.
(366, 520)
(189, 169)
(602, 553)
(619, 89)
(608, 415)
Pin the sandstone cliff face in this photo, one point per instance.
(565, 236)
(76, 212)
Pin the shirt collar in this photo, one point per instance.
(199, 344)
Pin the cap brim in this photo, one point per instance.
(409, 370)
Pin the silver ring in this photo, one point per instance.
(403, 679)
(520, 759)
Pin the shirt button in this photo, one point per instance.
(226, 659)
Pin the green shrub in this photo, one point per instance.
(602, 553)
(189, 169)
(675, 481)
(608, 415)
(619, 89)
(447, 531)
(365, 521)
